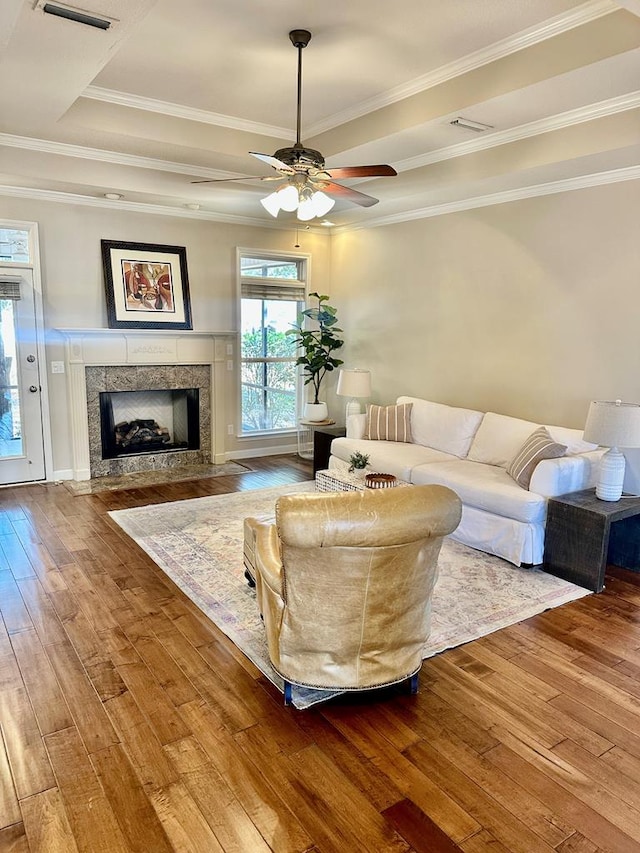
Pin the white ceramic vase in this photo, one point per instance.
(316, 412)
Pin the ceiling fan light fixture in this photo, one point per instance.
(317, 204)
(322, 203)
(288, 198)
(271, 204)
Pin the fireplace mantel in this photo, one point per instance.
(105, 347)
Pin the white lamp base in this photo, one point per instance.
(352, 408)
(611, 477)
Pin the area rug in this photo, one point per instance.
(156, 477)
(198, 543)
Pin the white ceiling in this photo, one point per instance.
(174, 92)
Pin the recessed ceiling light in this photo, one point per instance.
(471, 125)
(114, 196)
(193, 206)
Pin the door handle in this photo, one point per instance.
(33, 388)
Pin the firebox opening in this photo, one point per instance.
(133, 423)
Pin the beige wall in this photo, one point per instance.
(530, 308)
(73, 288)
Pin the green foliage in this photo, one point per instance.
(319, 343)
(358, 460)
(268, 390)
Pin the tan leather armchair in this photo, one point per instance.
(344, 583)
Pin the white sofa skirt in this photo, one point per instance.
(515, 541)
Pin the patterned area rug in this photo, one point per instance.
(198, 543)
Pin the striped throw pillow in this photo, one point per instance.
(389, 423)
(537, 447)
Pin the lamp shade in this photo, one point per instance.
(354, 383)
(613, 424)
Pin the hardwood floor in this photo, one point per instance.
(130, 723)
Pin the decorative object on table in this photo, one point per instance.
(354, 384)
(358, 461)
(380, 481)
(147, 285)
(318, 345)
(613, 425)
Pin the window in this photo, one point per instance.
(272, 295)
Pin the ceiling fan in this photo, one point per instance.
(303, 169)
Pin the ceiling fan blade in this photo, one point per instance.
(349, 194)
(362, 172)
(272, 161)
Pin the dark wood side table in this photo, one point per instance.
(322, 438)
(584, 535)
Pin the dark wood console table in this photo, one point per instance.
(584, 535)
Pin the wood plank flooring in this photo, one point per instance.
(130, 723)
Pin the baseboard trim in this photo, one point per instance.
(260, 451)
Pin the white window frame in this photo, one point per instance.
(304, 281)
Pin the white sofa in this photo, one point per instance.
(470, 451)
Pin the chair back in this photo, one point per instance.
(358, 571)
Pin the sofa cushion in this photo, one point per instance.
(498, 439)
(537, 447)
(445, 428)
(388, 423)
(388, 457)
(572, 438)
(487, 487)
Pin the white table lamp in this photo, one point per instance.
(614, 425)
(354, 383)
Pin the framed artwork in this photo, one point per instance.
(147, 286)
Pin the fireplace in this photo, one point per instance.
(171, 405)
(98, 360)
(159, 421)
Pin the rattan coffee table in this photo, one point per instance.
(336, 480)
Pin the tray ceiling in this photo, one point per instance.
(176, 92)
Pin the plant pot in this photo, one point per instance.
(316, 412)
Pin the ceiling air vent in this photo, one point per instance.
(76, 15)
(471, 125)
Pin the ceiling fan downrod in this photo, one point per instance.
(299, 39)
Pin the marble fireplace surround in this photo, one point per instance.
(112, 360)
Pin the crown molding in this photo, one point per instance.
(140, 207)
(66, 149)
(166, 108)
(622, 103)
(583, 14)
(597, 179)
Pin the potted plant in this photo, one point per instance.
(358, 462)
(318, 346)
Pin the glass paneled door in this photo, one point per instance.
(21, 436)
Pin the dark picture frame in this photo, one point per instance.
(146, 285)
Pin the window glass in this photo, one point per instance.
(269, 376)
(14, 245)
